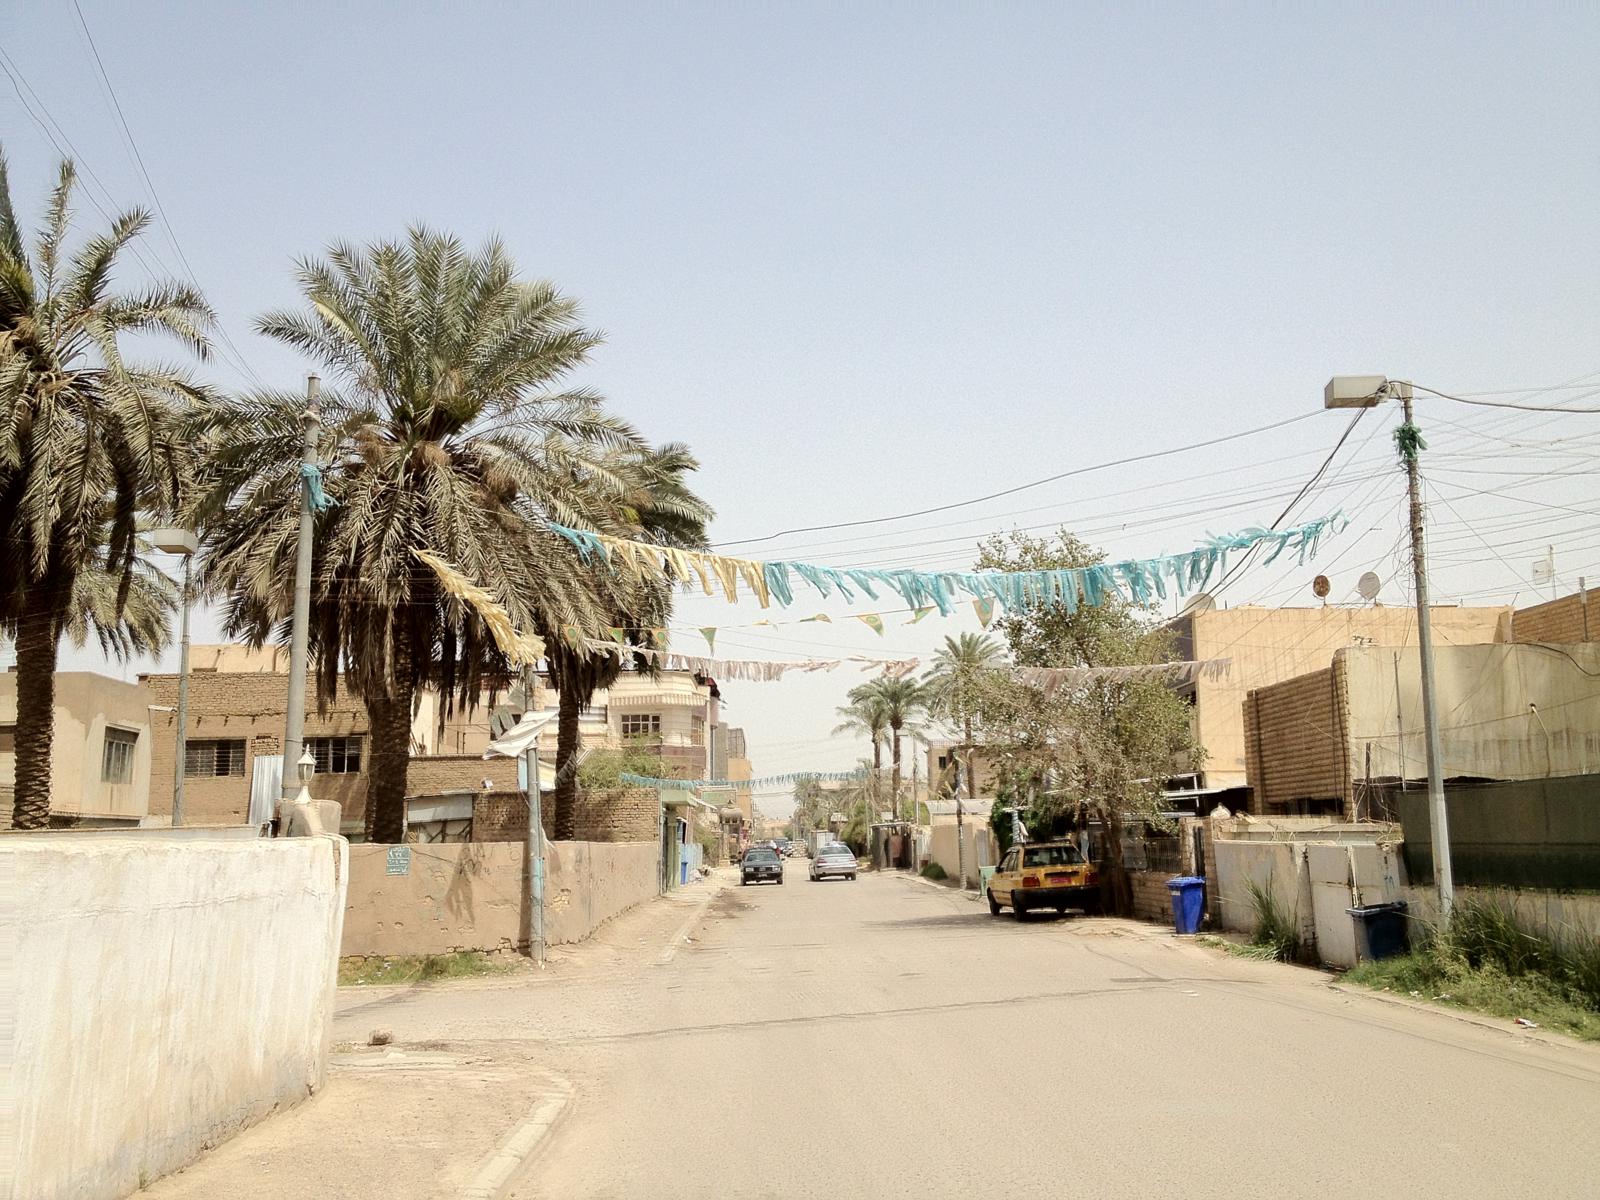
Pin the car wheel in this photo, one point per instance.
(994, 905)
(852, 876)
(1018, 910)
(780, 882)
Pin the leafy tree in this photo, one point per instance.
(955, 684)
(867, 715)
(447, 431)
(89, 442)
(1100, 750)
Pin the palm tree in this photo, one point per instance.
(89, 442)
(903, 702)
(446, 433)
(657, 506)
(867, 715)
(954, 686)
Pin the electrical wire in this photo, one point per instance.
(1550, 408)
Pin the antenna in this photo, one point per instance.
(1368, 585)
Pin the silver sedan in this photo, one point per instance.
(834, 860)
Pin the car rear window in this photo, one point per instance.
(760, 856)
(839, 852)
(1051, 856)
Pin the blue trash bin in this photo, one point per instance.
(1188, 902)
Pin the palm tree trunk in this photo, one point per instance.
(37, 633)
(895, 759)
(389, 725)
(566, 793)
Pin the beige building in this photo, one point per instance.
(1270, 645)
(1317, 742)
(99, 755)
(941, 753)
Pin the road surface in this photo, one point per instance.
(888, 1038)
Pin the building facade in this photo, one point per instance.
(100, 755)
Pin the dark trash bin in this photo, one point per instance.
(1188, 902)
(1380, 930)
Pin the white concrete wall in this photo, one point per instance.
(169, 989)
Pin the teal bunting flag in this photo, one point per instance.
(741, 784)
(1137, 581)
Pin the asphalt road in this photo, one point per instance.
(887, 1038)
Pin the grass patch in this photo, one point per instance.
(1487, 961)
(419, 968)
(1277, 935)
(934, 871)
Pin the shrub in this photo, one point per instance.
(934, 871)
(1277, 935)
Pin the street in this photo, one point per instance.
(889, 1038)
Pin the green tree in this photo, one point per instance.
(447, 430)
(89, 442)
(904, 704)
(1101, 749)
(654, 504)
(867, 716)
(954, 687)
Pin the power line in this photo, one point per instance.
(1022, 487)
(1550, 408)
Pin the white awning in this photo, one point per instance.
(439, 808)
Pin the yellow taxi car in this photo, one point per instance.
(1043, 875)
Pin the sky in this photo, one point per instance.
(873, 259)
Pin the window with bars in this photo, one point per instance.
(214, 756)
(641, 724)
(116, 759)
(336, 755)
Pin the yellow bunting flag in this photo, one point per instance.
(920, 613)
(573, 634)
(818, 617)
(709, 632)
(615, 633)
(985, 611)
(871, 620)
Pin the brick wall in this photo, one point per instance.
(1566, 620)
(1294, 741)
(440, 773)
(501, 817)
(1150, 896)
(619, 815)
(247, 706)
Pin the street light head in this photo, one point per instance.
(307, 766)
(173, 541)
(1354, 391)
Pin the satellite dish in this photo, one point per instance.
(1368, 585)
(1320, 587)
(1198, 603)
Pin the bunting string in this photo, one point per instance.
(741, 784)
(752, 670)
(1049, 679)
(1137, 581)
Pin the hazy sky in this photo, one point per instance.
(868, 259)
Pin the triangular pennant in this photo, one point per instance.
(871, 620)
(660, 638)
(709, 632)
(573, 634)
(920, 613)
(985, 609)
(615, 633)
(818, 617)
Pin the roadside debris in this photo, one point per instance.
(1527, 1024)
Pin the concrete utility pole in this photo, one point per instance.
(184, 542)
(535, 846)
(1439, 817)
(295, 711)
(1366, 391)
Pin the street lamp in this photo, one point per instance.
(182, 542)
(306, 767)
(1367, 391)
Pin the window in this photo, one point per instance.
(1051, 856)
(336, 755)
(221, 756)
(641, 725)
(116, 760)
(1009, 862)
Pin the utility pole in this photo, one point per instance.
(535, 843)
(1439, 818)
(182, 742)
(295, 711)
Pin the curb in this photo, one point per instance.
(693, 919)
(1501, 1025)
(495, 1172)
(970, 894)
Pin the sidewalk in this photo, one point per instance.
(444, 1111)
